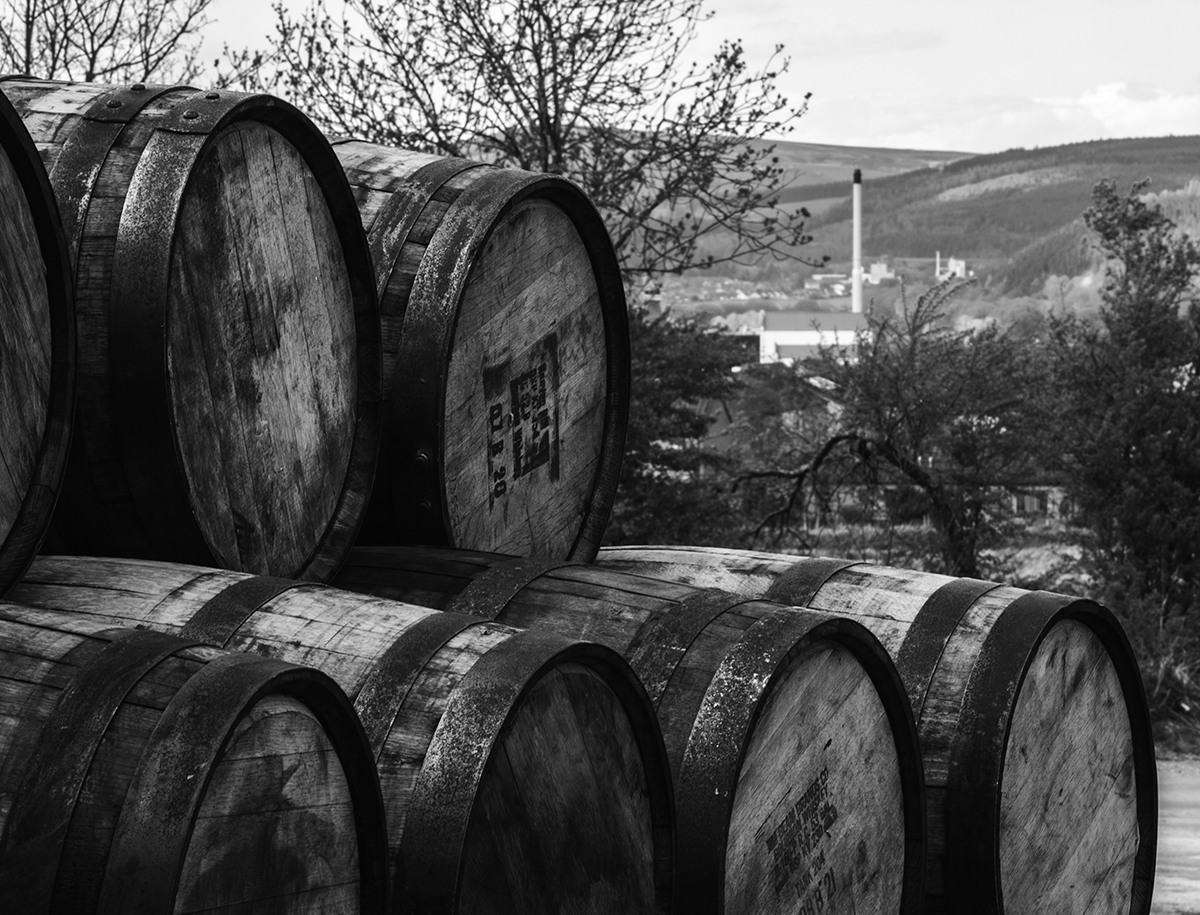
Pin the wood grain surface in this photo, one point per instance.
(818, 787)
(505, 354)
(526, 389)
(1073, 788)
(259, 808)
(740, 689)
(96, 508)
(25, 352)
(1069, 774)
(37, 348)
(261, 349)
(747, 572)
(276, 826)
(228, 333)
(565, 809)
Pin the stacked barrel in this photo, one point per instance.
(37, 349)
(1038, 755)
(319, 440)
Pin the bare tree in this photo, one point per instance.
(675, 156)
(950, 416)
(102, 40)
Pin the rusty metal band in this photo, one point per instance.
(926, 640)
(137, 344)
(393, 675)
(151, 835)
(19, 546)
(222, 616)
(38, 830)
(800, 583)
(486, 698)
(85, 151)
(138, 322)
(388, 234)
(728, 714)
(395, 220)
(16, 759)
(665, 638)
(419, 388)
(977, 754)
(972, 804)
(489, 593)
(706, 771)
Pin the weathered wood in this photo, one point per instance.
(140, 771)
(1038, 753)
(37, 349)
(841, 818)
(506, 354)
(520, 771)
(228, 329)
(790, 739)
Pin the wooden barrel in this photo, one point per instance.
(1032, 715)
(37, 349)
(227, 324)
(521, 772)
(505, 355)
(797, 774)
(140, 772)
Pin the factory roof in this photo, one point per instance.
(810, 320)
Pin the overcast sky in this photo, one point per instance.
(948, 74)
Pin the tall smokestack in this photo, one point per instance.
(856, 274)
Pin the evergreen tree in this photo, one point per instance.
(1127, 429)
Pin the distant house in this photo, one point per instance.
(879, 272)
(828, 284)
(790, 335)
(954, 267)
(651, 298)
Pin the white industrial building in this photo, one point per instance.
(790, 335)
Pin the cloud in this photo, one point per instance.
(994, 123)
(1132, 111)
(936, 122)
(847, 44)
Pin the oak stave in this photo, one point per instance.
(227, 327)
(505, 355)
(751, 695)
(980, 662)
(143, 772)
(496, 748)
(37, 349)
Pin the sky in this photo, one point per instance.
(957, 75)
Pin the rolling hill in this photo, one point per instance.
(1015, 213)
(819, 164)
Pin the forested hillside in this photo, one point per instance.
(831, 167)
(1015, 213)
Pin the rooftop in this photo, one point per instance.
(808, 320)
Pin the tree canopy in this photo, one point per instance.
(1127, 428)
(926, 409)
(675, 155)
(674, 487)
(1129, 390)
(102, 40)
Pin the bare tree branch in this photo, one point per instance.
(102, 40)
(675, 156)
